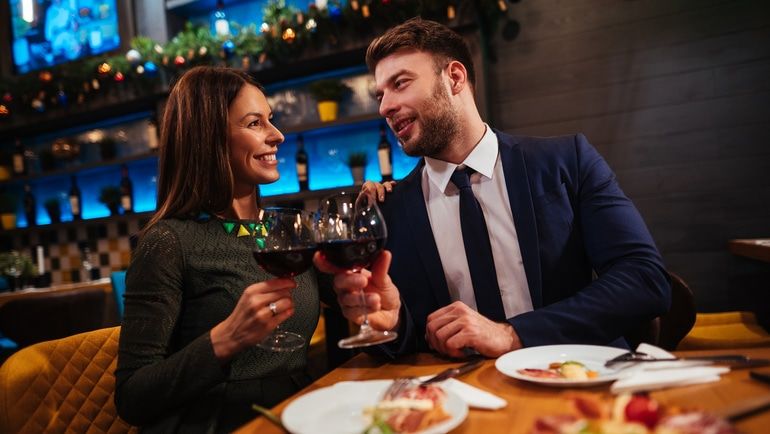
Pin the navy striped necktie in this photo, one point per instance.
(478, 249)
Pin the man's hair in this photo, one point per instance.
(194, 172)
(422, 35)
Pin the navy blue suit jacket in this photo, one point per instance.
(571, 218)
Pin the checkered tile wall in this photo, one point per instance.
(109, 243)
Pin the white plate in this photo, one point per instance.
(592, 356)
(339, 409)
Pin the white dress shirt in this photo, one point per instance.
(442, 200)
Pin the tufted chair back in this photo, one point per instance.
(62, 386)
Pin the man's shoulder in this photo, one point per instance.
(538, 144)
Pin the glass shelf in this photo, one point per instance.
(78, 168)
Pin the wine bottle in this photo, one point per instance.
(152, 134)
(385, 155)
(75, 199)
(302, 167)
(126, 191)
(30, 206)
(220, 27)
(19, 165)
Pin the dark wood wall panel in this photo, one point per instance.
(730, 50)
(676, 96)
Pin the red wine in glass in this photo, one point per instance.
(284, 244)
(352, 254)
(285, 263)
(351, 233)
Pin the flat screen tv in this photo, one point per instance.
(49, 32)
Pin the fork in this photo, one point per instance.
(396, 387)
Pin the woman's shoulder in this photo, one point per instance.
(177, 225)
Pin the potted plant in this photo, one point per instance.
(8, 206)
(328, 93)
(110, 197)
(53, 208)
(357, 163)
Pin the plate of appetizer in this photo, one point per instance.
(361, 407)
(628, 414)
(562, 365)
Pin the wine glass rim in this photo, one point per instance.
(339, 193)
(352, 197)
(281, 208)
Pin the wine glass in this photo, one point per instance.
(351, 234)
(284, 245)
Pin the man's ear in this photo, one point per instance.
(458, 76)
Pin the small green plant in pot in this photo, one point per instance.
(357, 163)
(53, 208)
(8, 204)
(328, 93)
(110, 197)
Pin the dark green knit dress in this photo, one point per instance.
(186, 276)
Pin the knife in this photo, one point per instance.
(454, 372)
(732, 360)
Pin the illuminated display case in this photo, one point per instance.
(101, 148)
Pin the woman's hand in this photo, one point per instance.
(252, 319)
(376, 191)
(382, 300)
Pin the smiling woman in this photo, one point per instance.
(254, 141)
(196, 302)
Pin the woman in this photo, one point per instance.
(187, 360)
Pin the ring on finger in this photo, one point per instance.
(273, 308)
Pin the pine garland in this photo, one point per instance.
(284, 36)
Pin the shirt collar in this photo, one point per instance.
(482, 159)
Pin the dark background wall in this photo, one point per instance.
(676, 95)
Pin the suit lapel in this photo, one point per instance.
(520, 196)
(425, 244)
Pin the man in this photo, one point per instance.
(551, 207)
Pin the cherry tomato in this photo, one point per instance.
(644, 410)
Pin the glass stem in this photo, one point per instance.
(365, 327)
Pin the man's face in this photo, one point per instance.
(415, 101)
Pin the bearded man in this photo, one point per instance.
(498, 241)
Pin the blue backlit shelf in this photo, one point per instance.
(78, 168)
(348, 120)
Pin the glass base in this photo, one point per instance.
(367, 338)
(282, 341)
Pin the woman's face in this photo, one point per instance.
(253, 139)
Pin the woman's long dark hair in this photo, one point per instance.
(194, 173)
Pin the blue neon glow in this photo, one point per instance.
(328, 149)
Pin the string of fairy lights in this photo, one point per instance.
(284, 34)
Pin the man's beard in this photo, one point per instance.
(439, 125)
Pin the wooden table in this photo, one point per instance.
(756, 248)
(527, 402)
(95, 285)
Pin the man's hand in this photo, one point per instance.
(376, 191)
(382, 299)
(457, 326)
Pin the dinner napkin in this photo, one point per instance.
(659, 375)
(473, 396)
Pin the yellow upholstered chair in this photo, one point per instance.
(725, 330)
(62, 386)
